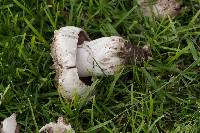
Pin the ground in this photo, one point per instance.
(161, 96)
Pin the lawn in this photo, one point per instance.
(161, 96)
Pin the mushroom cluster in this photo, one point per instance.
(161, 8)
(75, 55)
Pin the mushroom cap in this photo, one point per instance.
(161, 8)
(69, 83)
(64, 46)
(59, 127)
(63, 51)
(167, 8)
(9, 124)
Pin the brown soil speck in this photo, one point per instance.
(134, 54)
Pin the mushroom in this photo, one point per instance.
(9, 125)
(161, 8)
(59, 127)
(75, 55)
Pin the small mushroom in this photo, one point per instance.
(161, 8)
(9, 125)
(59, 127)
(75, 55)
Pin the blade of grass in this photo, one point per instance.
(178, 54)
(125, 16)
(40, 37)
(23, 7)
(33, 116)
(192, 49)
(6, 6)
(110, 91)
(97, 126)
(4, 93)
(150, 106)
(150, 79)
(194, 18)
(154, 123)
(49, 16)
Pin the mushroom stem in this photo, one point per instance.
(100, 56)
(105, 55)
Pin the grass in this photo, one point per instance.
(162, 96)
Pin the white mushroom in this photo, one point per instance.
(9, 125)
(161, 8)
(59, 127)
(75, 56)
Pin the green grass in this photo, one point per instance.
(162, 96)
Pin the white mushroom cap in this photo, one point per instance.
(64, 50)
(161, 8)
(9, 124)
(64, 47)
(70, 84)
(167, 8)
